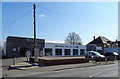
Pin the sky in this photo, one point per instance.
(55, 20)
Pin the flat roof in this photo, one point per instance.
(23, 37)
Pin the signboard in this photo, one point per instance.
(67, 46)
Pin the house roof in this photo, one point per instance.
(104, 39)
(100, 40)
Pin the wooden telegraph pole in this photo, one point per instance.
(35, 43)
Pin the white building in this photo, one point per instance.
(58, 49)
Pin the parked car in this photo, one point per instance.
(95, 55)
(111, 56)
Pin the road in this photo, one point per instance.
(95, 71)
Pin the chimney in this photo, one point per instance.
(116, 41)
(93, 37)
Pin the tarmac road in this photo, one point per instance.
(95, 71)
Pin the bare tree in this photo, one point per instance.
(73, 38)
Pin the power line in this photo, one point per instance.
(60, 13)
(18, 18)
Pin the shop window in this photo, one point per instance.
(67, 51)
(48, 52)
(75, 51)
(58, 51)
(82, 52)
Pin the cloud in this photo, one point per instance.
(42, 16)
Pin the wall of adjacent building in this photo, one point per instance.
(111, 49)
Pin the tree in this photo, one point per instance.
(73, 38)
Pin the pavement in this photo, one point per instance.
(27, 65)
(26, 68)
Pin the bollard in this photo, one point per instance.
(14, 61)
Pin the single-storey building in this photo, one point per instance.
(62, 49)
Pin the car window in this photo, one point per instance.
(93, 53)
(109, 54)
(96, 53)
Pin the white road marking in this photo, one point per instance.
(94, 74)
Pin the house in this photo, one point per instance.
(102, 43)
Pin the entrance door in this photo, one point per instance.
(23, 52)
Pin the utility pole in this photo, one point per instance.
(35, 43)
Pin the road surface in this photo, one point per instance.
(94, 71)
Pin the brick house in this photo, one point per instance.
(101, 42)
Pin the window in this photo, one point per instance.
(93, 53)
(58, 51)
(75, 51)
(82, 52)
(67, 51)
(48, 52)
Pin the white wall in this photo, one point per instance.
(62, 46)
(68, 46)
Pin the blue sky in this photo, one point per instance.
(55, 20)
